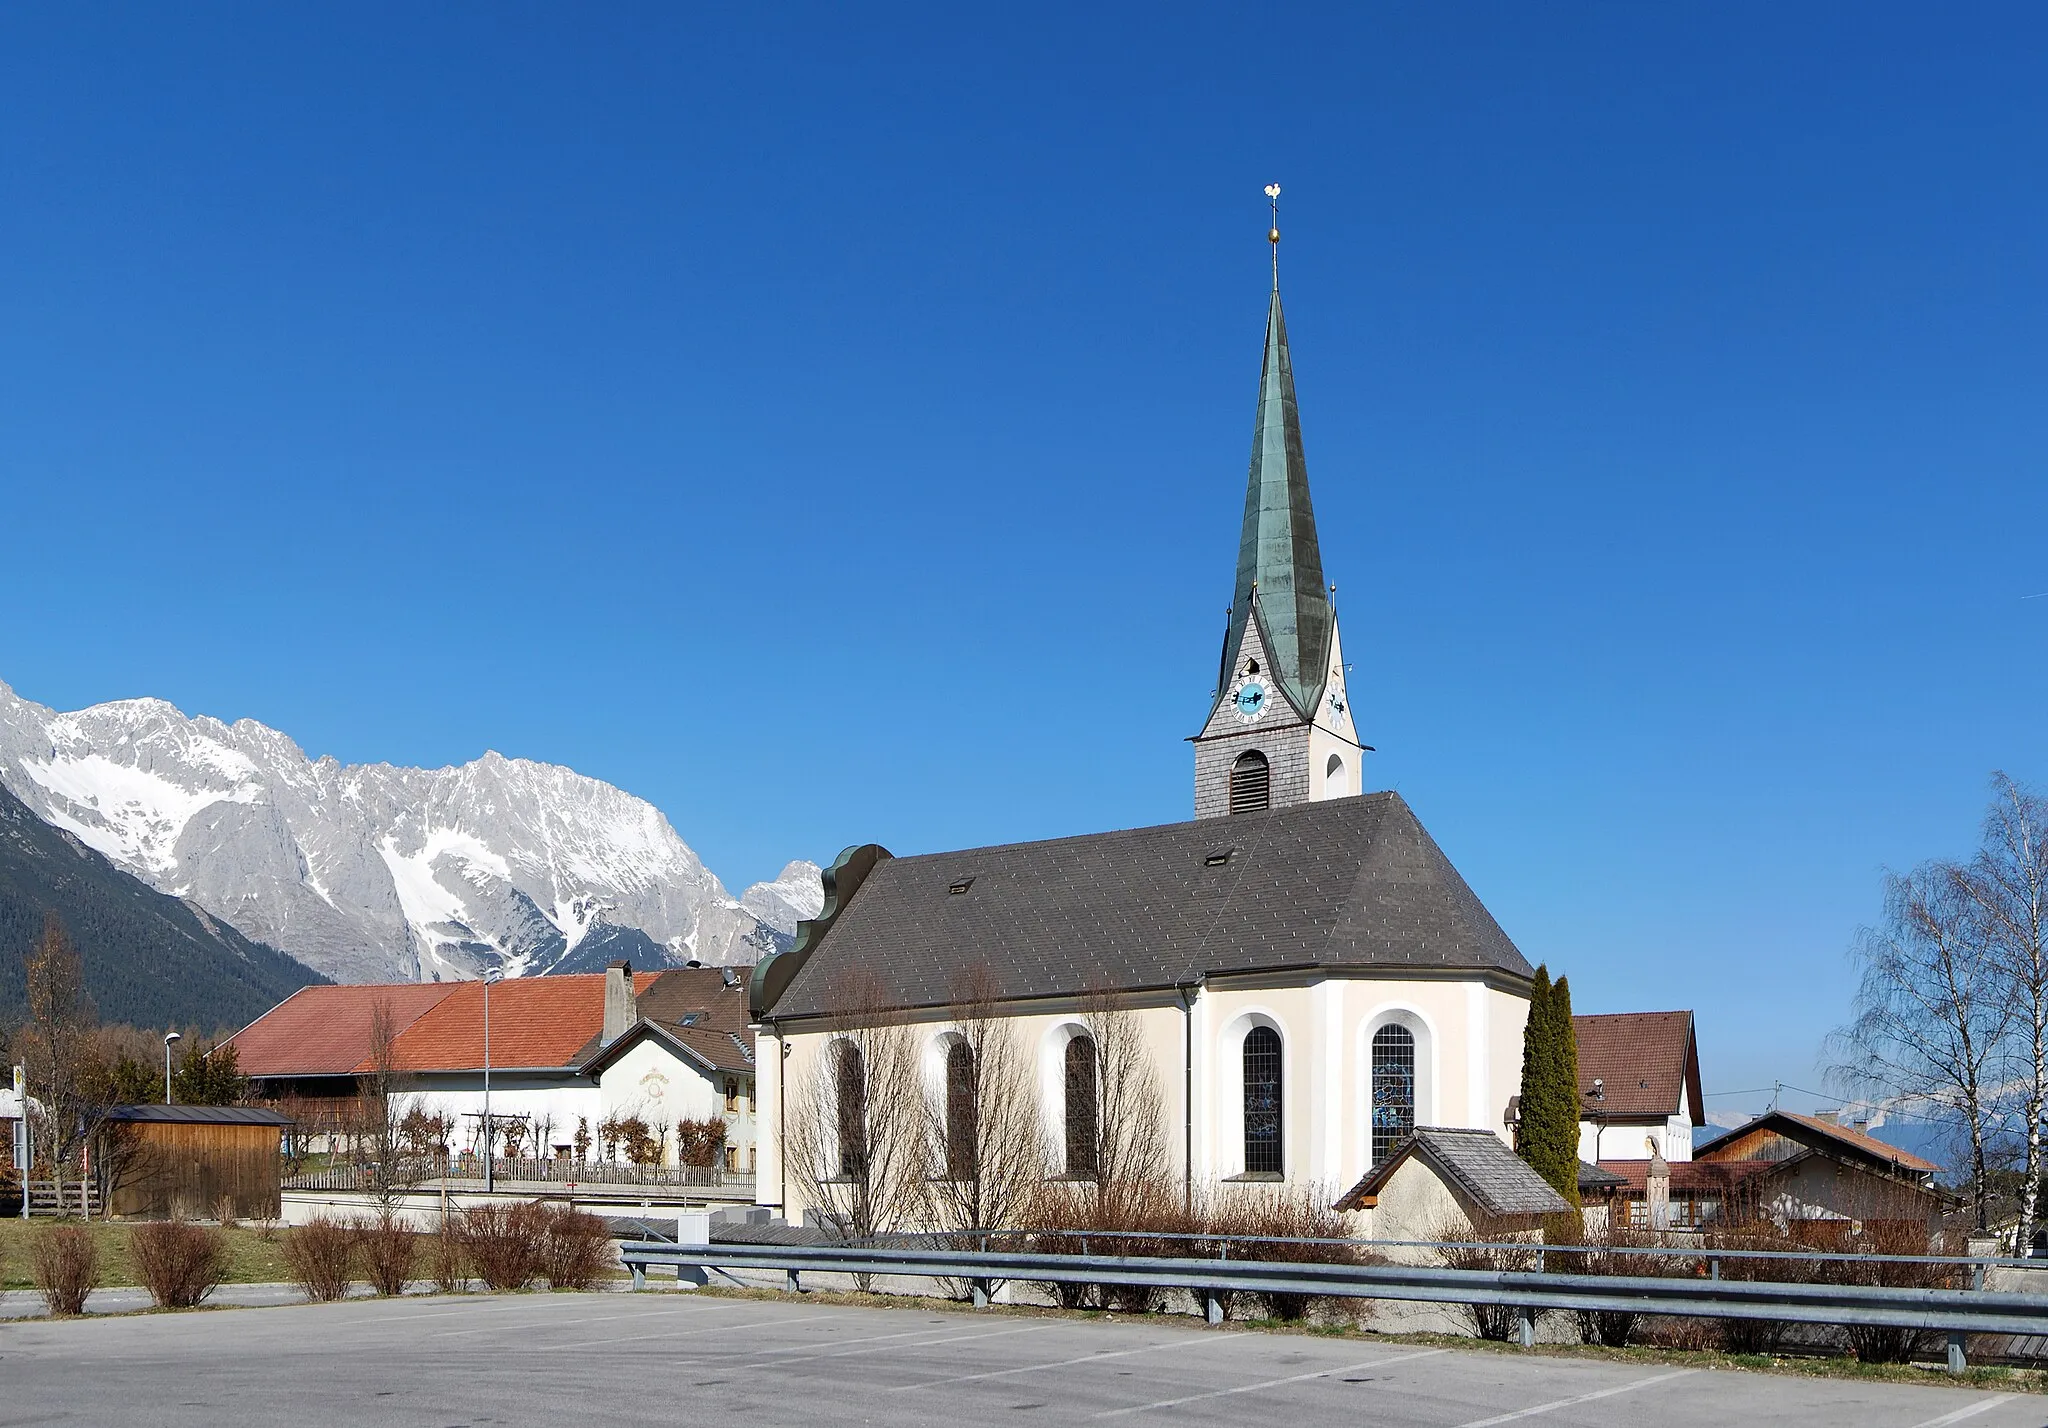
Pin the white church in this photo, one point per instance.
(1312, 977)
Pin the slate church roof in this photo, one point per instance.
(1348, 883)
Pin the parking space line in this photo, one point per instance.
(1968, 1411)
(1270, 1383)
(885, 1348)
(675, 1334)
(1188, 1342)
(583, 1319)
(837, 1343)
(1571, 1402)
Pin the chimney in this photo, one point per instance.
(1657, 1189)
(620, 1012)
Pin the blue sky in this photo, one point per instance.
(832, 426)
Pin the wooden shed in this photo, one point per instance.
(185, 1160)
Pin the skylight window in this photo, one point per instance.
(960, 885)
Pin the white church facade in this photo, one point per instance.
(1310, 976)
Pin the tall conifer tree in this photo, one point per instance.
(1534, 1033)
(1549, 1128)
(1563, 1171)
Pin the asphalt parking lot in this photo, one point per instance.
(671, 1357)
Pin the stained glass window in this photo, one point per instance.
(1393, 1088)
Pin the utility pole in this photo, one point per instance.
(169, 1037)
(490, 1148)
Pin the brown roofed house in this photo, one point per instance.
(1639, 1083)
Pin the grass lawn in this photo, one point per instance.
(251, 1258)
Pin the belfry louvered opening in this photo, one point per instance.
(1251, 783)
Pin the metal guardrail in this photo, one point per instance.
(1955, 1312)
(1702, 1252)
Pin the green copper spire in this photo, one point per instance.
(1277, 555)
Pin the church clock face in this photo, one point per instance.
(1250, 696)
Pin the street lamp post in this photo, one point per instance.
(491, 975)
(169, 1037)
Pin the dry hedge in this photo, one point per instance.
(576, 1250)
(66, 1263)
(321, 1257)
(180, 1263)
(505, 1244)
(389, 1249)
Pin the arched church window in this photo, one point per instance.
(1251, 783)
(1336, 781)
(1393, 1088)
(851, 1085)
(1083, 1110)
(961, 1157)
(1262, 1101)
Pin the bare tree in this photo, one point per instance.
(389, 1158)
(983, 1129)
(58, 1051)
(1931, 1011)
(1131, 1153)
(856, 1124)
(2007, 882)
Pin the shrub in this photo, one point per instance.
(180, 1263)
(444, 1261)
(576, 1250)
(1152, 1210)
(1503, 1252)
(224, 1212)
(1759, 1336)
(1872, 1343)
(504, 1243)
(1614, 1249)
(701, 1143)
(66, 1261)
(321, 1256)
(389, 1248)
(1282, 1213)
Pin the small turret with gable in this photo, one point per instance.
(1280, 728)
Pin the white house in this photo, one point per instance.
(566, 1054)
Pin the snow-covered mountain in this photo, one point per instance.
(369, 872)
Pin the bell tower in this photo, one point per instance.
(1280, 727)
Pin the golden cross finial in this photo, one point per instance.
(1273, 234)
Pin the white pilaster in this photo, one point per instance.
(1326, 1084)
(1478, 1059)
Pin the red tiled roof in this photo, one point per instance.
(1646, 1061)
(1687, 1176)
(535, 1021)
(325, 1031)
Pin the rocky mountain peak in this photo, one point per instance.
(371, 872)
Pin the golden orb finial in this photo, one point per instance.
(1273, 233)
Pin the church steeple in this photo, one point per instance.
(1280, 728)
(1277, 553)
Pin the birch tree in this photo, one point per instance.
(1931, 1015)
(2007, 887)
